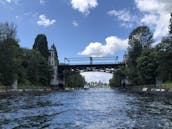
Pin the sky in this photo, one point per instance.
(82, 28)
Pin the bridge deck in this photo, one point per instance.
(84, 66)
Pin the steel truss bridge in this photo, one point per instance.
(86, 64)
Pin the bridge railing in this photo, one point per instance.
(93, 60)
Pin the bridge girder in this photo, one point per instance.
(109, 68)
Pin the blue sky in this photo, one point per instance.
(85, 27)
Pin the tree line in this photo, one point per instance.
(28, 66)
(146, 63)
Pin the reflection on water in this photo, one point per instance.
(85, 109)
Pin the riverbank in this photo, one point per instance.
(11, 91)
(149, 90)
(30, 89)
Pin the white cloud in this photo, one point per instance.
(9, 2)
(31, 14)
(75, 23)
(43, 21)
(17, 17)
(42, 2)
(97, 76)
(84, 6)
(113, 44)
(124, 16)
(149, 19)
(156, 15)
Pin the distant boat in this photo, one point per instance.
(86, 87)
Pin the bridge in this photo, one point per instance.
(86, 64)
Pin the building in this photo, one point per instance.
(53, 62)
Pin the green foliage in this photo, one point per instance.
(118, 75)
(147, 65)
(34, 68)
(74, 79)
(139, 38)
(166, 85)
(34, 65)
(141, 35)
(164, 50)
(8, 54)
(170, 26)
(41, 45)
(7, 31)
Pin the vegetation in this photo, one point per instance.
(170, 26)
(34, 68)
(29, 67)
(139, 39)
(164, 50)
(74, 79)
(26, 66)
(146, 64)
(8, 54)
(41, 45)
(118, 75)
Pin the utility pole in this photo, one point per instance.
(91, 60)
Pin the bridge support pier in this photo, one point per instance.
(61, 79)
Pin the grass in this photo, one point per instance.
(166, 85)
(30, 86)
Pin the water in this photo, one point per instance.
(85, 109)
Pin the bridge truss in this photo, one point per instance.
(86, 64)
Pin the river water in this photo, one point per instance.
(101, 108)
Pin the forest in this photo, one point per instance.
(147, 61)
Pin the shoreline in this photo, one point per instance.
(32, 90)
(132, 89)
(16, 91)
(149, 90)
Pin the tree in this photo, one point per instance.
(8, 54)
(118, 75)
(7, 31)
(41, 45)
(38, 71)
(74, 79)
(9, 62)
(139, 38)
(164, 50)
(147, 66)
(142, 35)
(170, 26)
(34, 68)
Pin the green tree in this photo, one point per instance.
(118, 75)
(139, 38)
(142, 35)
(9, 63)
(170, 26)
(147, 66)
(8, 54)
(34, 68)
(7, 31)
(38, 71)
(24, 58)
(164, 50)
(41, 45)
(74, 79)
